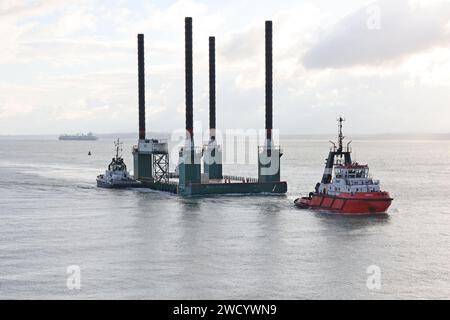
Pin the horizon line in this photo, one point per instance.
(281, 134)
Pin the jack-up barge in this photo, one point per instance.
(151, 156)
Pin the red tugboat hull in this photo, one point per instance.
(346, 203)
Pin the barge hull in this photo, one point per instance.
(279, 187)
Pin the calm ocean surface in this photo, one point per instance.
(146, 244)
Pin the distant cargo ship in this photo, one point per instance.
(78, 137)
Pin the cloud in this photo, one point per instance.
(83, 110)
(245, 45)
(74, 20)
(12, 109)
(59, 75)
(21, 21)
(385, 31)
(22, 8)
(294, 29)
(71, 52)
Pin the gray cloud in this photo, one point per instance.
(403, 30)
(244, 45)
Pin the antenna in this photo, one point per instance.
(340, 135)
(118, 145)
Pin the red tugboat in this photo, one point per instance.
(350, 190)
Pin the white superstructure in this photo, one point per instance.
(350, 178)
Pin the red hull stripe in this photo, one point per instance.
(347, 205)
(355, 199)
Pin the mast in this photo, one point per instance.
(117, 143)
(340, 135)
(339, 152)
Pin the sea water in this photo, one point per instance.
(144, 244)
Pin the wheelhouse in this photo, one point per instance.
(349, 178)
(351, 172)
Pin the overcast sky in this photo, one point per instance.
(71, 66)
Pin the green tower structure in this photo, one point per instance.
(212, 161)
(189, 168)
(269, 163)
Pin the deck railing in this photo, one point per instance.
(363, 183)
(240, 179)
